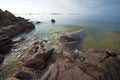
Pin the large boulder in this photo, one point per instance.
(36, 64)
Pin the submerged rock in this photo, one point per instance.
(70, 43)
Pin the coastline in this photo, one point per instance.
(45, 57)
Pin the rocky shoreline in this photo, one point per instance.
(93, 64)
(11, 26)
(39, 62)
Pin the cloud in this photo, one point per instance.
(110, 7)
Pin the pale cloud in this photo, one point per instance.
(62, 6)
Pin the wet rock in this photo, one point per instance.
(71, 41)
(68, 43)
(38, 22)
(11, 26)
(18, 28)
(89, 69)
(36, 64)
(18, 40)
(39, 45)
(48, 54)
(66, 38)
(5, 44)
(65, 70)
(25, 75)
(39, 55)
(53, 20)
(1, 58)
(104, 60)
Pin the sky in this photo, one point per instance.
(83, 7)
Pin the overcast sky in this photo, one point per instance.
(102, 7)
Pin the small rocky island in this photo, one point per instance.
(40, 61)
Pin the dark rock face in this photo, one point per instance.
(11, 26)
(1, 58)
(24, 76)
(6, 18)
(36, 64)
(19, 28)
(5, 44)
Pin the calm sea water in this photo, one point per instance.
(100, 33)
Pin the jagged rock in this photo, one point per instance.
(11, 26)
(5, 44)
(18, 28)
(1, 58)
(71, 43)
(25, 75)
(36, 64)
(65, 70)
(39, 55)
(105, 60)
(33, 61)
(91, 68)
(6, 18)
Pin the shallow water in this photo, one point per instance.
(100, 34)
